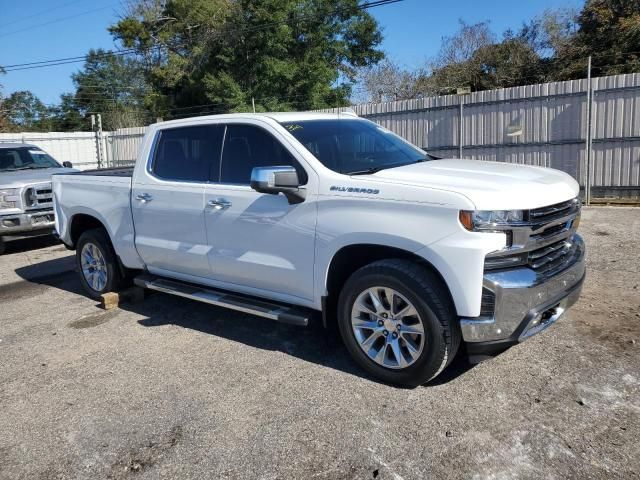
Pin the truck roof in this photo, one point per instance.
(281, 117)
(17, 145)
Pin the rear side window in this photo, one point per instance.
(189, 153)
(246, 147)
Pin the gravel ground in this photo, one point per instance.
(169, 388)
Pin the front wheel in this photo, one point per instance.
(397, 321)
(97, 263)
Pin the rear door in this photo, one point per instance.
(168, 200)
(259, 243)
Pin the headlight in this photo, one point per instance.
(8, 198)
(490, 220)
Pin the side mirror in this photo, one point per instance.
(276, 180)
(67, 164)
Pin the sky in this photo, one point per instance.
(34, 30)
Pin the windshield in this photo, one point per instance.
(354, 146)
(23, 158)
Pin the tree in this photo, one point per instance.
(25, 111)
(387, 81)
(551, 33)
(456, 65)
(112, 85)
(285, 54)
(510, 63)
(68, 116)
(608, 30)
(4, 120)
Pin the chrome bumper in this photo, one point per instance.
(23, 224)
(526, 303)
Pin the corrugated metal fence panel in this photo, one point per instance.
(616, 148)
(123, 146)
(78, 148)
(543, 124)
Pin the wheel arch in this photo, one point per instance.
(80, 223)
(351, 258)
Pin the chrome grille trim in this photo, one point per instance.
(544, 214)
(545, 236)
(38, 196)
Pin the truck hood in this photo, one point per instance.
(19, 178)
(489, 185)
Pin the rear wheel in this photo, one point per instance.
(398, 323)
(97, 263)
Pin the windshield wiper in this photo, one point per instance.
(367, 171)
(372, 170)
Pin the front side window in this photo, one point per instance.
(189, 154)
(24, 158)
(354, 145)
(247, 147)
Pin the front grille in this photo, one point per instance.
(552, 257)
(38, 196)
(555, 223)
(547, 214)
(544, 243)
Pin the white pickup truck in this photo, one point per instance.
(287, 215)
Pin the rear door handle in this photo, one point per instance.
(144, 197)
(219, 204)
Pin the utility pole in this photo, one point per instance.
(253, 103)
(589, 139)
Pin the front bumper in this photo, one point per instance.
(26, 224)
(525, 303)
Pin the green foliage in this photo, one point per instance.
(112, 85)
(609, 30)
(285, 54)
(25, 111)
(554, 46)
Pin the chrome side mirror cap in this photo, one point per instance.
(275, 180)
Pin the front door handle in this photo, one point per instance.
(144, 197)
(219, 204)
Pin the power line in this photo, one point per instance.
(128, 51)
(41, 12)
(57, 20)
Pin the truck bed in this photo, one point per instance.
(102, 194)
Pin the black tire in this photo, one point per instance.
(99, 238)
(425, 291)
(2, 246)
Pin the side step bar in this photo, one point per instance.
(241, 303)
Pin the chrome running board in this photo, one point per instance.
(240, 303)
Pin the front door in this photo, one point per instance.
(168, 200)
(259, 242)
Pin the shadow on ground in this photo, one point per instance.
(311, 344)
(30, 243)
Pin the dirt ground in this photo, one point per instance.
(169, 388)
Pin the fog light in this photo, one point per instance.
(536, 320)
(12, 222)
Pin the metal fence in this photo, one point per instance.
(121, 146)
(76, 147)
(86, 150)
(545, 124)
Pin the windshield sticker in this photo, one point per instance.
(293, 128)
